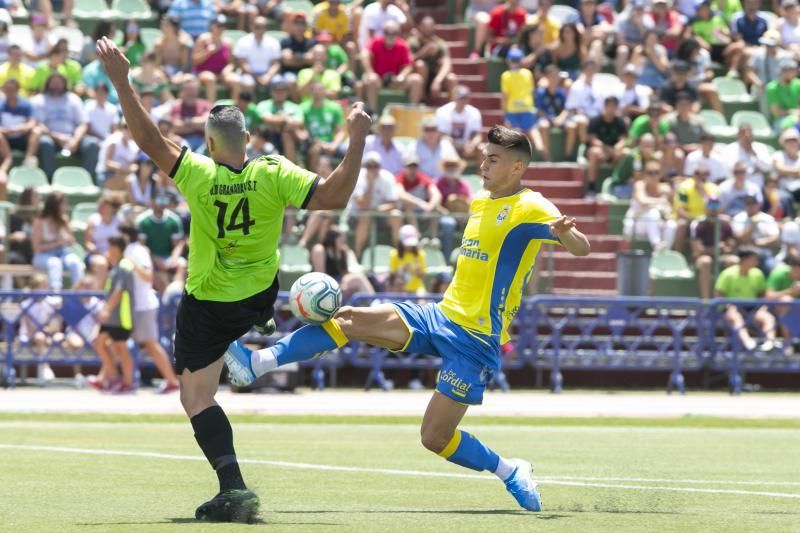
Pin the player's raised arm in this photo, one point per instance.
(334, 191)
(573, 240)
(161, 150)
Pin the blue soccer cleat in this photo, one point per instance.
(523, 488)
(240, 372)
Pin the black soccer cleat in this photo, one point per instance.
(230, 506)
(266, 329)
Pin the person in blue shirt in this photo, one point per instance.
(549, 101)
(18, 130)
(748, 24)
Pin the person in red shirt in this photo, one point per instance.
(505, 23)
(668, 22)
(387, 63)
(189, 113)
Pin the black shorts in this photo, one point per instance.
(718, 52)
(116, 333)
(204, 329)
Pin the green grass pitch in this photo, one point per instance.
(63, 473)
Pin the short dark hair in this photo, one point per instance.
(612, 100)
(228, 122)
(130, 232)
(747, 251)
(792, 260)
(511, 141)
(118, 241)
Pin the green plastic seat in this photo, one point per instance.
(376, 258)
(671, 276)
(756, 120)
(21, 177)
(91, 9)
(81, 213)
(149, 37)
(436, 262)
(74, 179)
(715, 123)
(132, 9)
(563, 14)
(301, 6)
(475, 183)
(731, 90)
(454, 256)
(74, 37)
(295, 258)
(278, 35)
(235, 35)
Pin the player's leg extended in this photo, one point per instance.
(377, 326)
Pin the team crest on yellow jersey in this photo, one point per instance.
(503, 214)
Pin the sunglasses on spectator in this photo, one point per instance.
(391, 33)
(702, 174)
(653, 172)
(740, 171)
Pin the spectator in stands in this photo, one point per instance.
(375, 190)
(149, 76)
(296, 49)
(456, 196)
(92, 77)
(709, 244)
(336, 58)
(48, 8)
(284, 118)
(259, 143)
(548, 25)
(594, 29)
(408, 260)
(20, 227)
(259, 56)
(383, 144)
(167, 129)
(505, 23)
(140, 185)
(102, 28)
(758, 230)
(173, 48)
(713, 34)
(162, 232)
(629, 169)
(745, 281)
(64, 125)
(431, 58)
(51, 240)
(132, 45)
(754, 154)
(15, 69)
(748, 25)
(101, 113)
(330, 78)
(387, 63)
(652, 123)
(652, 60)
(650, 212)
(606, 138)
(635, 97)
(700, 73)
(119, 155)
(37, 47)
(686, 127)
(333, 257)
(18, 130)
(189, 113)
(333, 19)
(631, 25)
(213, 61)
(691, 196)
(376, 15)
(789, 26)
(195, 16)
(101, 226)
(568, 53)
(115, 324)
(432, 147)
(678, 83)
(776, 202)
(479, 14)
(786, 164)
(324, 119)
(550, 102)
(461, 123)
(763, 64)
(57, 63)
(418, 194)
(241, 11)
(40, 325)
(783, 284)
(734, 191)
(668, 23)
(710, 157)
(517, 87)
(584, 102)
(783, 94)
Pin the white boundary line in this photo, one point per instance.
(416, 473)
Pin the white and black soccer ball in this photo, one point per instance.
(315, 297)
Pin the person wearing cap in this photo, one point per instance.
(652, 61)
(783, 93)
(709, 156)
(631, 25)
(387, 63)
(689, 203)
(649, 215)
(296, 49)
(259, 56)
(668, 23)
(748, 25)
(15, 69)
(331, 18)
(605, 140)
(505, 23)
(678, 83)
(760, 230)
(744, 281)
(734, 191)
(461, 122)
(173, 48)
(319, 71)
(376, 190)
(36, 48)
(195, 16)
(755, 154)
(284, 118)
(635, 97)
(375, 16)
(419, 194)
(189, 113)
(324, 119)
(431, 58)
(790, 240)
(408, 260)
(18, 130)
(455, 191)
(550, 104)
(382, 142)
(432, 147)
(763, 63)
(708, 243)
(64, 126)
(516, 91)
(786, 163)
(212, 60)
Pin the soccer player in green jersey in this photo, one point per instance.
(237, 210)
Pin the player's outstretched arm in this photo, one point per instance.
(334, 191)
(573, 240)
(161, 150)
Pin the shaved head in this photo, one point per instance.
(226, 129)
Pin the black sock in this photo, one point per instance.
(214, 435)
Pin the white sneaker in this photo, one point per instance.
(31, 162)
(415, 384)
(44, 373)
(750, 345)
(766, 346)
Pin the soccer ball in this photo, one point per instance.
(315, 298)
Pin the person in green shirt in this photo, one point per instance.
(783, 284)
(713, 33)
(324, 119)
(57, 61)
(631, 165)
(284, 118)
(783, 94)
(651, 123)
(237, 209)
(329, 78)
(336, 58)
(132, 43)
(162, 231)
(746, 282)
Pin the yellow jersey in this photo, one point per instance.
(517, 87)
(688, 197)
(501, 240)
(409, 264)
(337, 25)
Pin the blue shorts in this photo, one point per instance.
(469, 359)
(522, 121)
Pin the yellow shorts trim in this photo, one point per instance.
(437, 391)
(333, 329)
(410, 331)
(452, 446)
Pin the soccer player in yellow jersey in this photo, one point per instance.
(507, 227)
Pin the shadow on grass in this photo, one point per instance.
(192, 521)
(496, 512)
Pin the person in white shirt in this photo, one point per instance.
(709, 157)
(635, 97)
(375, 16)
(145, 310)
(755, 154)
(101, 226)
(101, 113)
(432, 148)
(734, 192)
(759, 230)
(117, 161)
(461, 122)
(384, 144)
(786, 163)
(259, 56)
(584, 101)
(375, 190)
